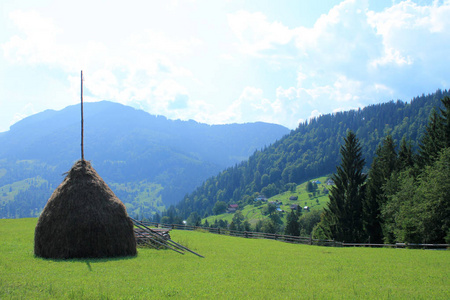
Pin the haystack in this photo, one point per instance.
(84, 219)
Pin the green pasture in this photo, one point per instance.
(9, 191)
(145, 195)
(233, 268)
(253, 213)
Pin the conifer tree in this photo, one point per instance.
(292, 224)
(405, 155)
(342, 218)
(383, 166)
(437, 135)
(445, 123)
(432, 141)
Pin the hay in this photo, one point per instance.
(84, 219)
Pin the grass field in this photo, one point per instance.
(233, 268)
(9, 191)
(253, 213)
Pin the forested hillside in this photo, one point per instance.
(405, 196)
(312, 150)
(149, 161)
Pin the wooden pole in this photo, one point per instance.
(82, 120)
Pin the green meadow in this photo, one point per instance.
(253, 213)
(233, 268)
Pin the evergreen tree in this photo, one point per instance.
(437, 135)
(342, 218)
(309, 187)
(405, 156)
(383, 165)
(445, 121)
(292, 224)
(156, 218)
(432, 141)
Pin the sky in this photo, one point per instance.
(224, 61)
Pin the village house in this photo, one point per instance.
(232, 208)
(261, 197)
(294, 207)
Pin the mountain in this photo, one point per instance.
(149, 161)
(311, 151)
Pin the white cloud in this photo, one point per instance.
(142, 70)
(38, 46)
(251, 106)
(26, 111)
(256, 34)
(350, 57)
(314, 114)
(359, 57)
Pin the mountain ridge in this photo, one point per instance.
(128, 145)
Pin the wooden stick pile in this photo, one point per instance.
(157, 240)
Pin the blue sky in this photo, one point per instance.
(221, 62)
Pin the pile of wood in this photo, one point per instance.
(157, 238)
(143, 236)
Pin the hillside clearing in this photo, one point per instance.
(254, 212)
(234, 268)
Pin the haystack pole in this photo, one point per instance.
(83, 218)
(82, 119)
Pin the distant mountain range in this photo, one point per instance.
(149, 161)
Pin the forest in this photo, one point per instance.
(312, 150)
(405, 196)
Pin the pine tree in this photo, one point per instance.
(405, 156)
(309, 187)
(342, 218)
(432, 141)
(292, 224)
(445, 121)
(383, 165)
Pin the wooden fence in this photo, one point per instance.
(292, 239)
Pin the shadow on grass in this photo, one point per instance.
(88, 261)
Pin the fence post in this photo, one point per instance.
(246, 234)
(218, 230)
(310, 239)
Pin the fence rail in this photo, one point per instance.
(290, 238)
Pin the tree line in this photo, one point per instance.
(404, 196)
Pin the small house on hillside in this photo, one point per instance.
(261, 197)
(232, 208)
(330, 181)
(294, 207)
(293, 198)
(306, 208)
